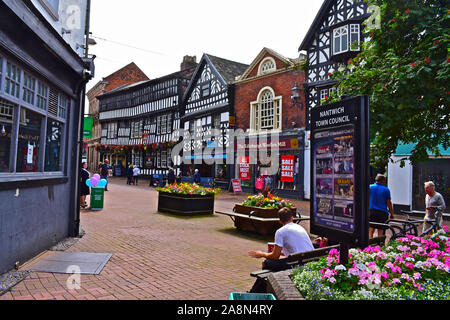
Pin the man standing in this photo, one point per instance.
(197, 177)
(104, 172)
(380, 204)
(434, 204)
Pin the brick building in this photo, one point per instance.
(269, 100)
(129, 74)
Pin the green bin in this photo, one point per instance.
(97, 196)
(251, 296)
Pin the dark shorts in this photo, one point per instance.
(378, 216)
(275, 265)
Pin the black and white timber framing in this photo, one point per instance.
(330, 42)
(143, 114)
(208, 103)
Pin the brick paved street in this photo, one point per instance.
(155, 255)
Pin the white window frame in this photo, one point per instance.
(266, 66)
(340, 33)
(256, 120)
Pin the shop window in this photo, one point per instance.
(53, 159)
(29, 141)
(63, 105)
(288, 171)
(42, 96)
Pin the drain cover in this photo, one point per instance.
(70, 262)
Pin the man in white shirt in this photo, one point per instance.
(289, 239)
(136, 172)
(434, 204)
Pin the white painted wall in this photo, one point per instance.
(400, 182)
(307, 168)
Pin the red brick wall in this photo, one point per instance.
(278, 62)
(281, 83)
(127, 75)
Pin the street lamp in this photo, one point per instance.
(296, 95)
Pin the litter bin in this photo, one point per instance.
(251, 296)
(97, 196)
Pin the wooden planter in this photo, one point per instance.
(185, 204)
(260, 227)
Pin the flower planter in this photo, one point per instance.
(185, 204)
(260, 227)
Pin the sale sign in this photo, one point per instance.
(287, 168)
(244, 168)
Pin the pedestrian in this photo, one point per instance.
(104, 172)
(171, 176)
(130, 174)
(380, 204)
(291, 238)
(136, 172)
(197, 177)
(84, 189)
(434, 206)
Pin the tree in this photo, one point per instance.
(404, 68)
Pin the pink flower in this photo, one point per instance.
(384, 275)
(396, 280)
(409, 265)
(417, 276)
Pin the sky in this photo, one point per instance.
(156, 35)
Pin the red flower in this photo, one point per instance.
(413, 64)
(427, 59)
(407, 11)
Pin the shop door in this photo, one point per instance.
(437, 171)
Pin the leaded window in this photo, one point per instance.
(29, 87)
(340, 40)
(12, 80)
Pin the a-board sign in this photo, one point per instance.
(340, 171)
(244, 168)
(236, 185)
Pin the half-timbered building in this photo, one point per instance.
(333, 38)
(140, 121)
(265, 107)
(208, 104)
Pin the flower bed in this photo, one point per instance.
(408, 268)
(186, 199)
(268, 201)
(188, 189)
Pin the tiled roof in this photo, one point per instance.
(228, 69)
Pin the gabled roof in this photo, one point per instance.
(260, 57)
(227, 70)
(323, 11)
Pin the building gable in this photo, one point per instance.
(266, 62)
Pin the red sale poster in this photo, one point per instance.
(287, 168)
(244, 168)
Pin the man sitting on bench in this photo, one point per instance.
(289, 239)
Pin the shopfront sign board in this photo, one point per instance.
(287, 168)
(340, 171)
(236, 185)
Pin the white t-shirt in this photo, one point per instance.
(136, 171)
(293, 238)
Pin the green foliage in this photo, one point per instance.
(404, 68)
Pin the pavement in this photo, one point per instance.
(155, 256)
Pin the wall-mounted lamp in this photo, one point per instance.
(296, 95)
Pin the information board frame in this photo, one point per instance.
(340, 171)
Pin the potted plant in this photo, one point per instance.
(186, 199)
(264, 205)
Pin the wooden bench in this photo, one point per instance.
(261, 225)
(301, 258)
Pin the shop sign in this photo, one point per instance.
(257, 145)
(340, 171)
(244, 168)
(236, 185)
(287, 168)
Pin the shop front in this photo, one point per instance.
(256, 170)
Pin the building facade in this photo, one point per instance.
(209, 104)
(42, 87)
(333, 38)
(140, 121)
(129, 74)
(269, 99)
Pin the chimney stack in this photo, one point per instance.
(188, 62)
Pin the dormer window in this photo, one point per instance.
(267, 65)
(346, 38)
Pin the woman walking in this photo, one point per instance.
(84, 189)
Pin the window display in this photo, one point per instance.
(53, 161)
(29, 141)
(6, 120)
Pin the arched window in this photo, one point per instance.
(266, 111)
(267, 65)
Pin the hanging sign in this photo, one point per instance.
(287, 168)
(244, 168)
(340, 170)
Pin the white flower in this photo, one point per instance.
(340, 268)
